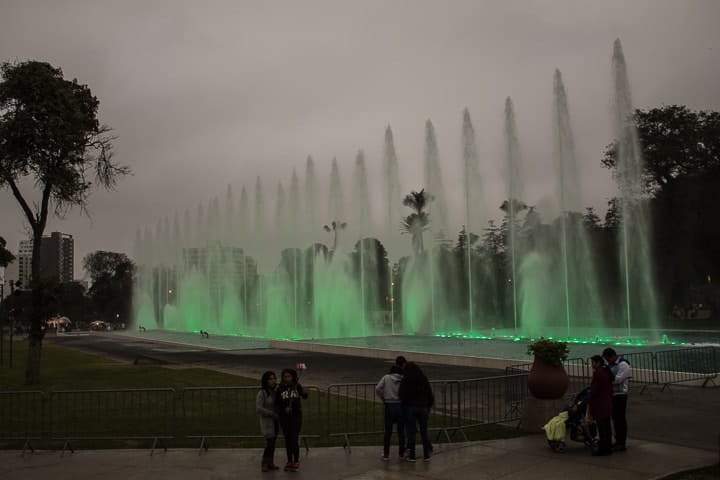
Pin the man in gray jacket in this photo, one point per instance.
(387, 389)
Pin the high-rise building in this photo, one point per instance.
(24, 262)
(57, 257)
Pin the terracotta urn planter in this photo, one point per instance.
(547, 381)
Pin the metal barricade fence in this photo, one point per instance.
(695, 364)
(21, 416)
(342, 410)
(112, 414)
(353, 408)
(575, 367)
(230, 412)
(665, 367)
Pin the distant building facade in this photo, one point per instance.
(24, 262)
(57, 258)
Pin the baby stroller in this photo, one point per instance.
(574, 418)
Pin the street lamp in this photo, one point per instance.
(392, 307)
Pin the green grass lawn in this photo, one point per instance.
(706, 473)
(179, 407)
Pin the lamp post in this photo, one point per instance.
(392, 307)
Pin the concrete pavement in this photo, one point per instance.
(512, 459)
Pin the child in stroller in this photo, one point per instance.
(574, 417)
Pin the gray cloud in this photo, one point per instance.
(206, 94)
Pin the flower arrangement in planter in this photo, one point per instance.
(547, 378)
(549, 351)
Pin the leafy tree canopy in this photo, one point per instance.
(100, 263)
(676, 141)
(6, 257)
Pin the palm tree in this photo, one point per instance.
(334, 227)
(417, 222)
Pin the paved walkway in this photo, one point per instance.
(512, 459)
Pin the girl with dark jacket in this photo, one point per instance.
(265, 408)
(288, 408)
(600, 403)
(417, 399)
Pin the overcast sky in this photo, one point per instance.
(203, 94)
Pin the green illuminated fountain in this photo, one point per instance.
(363, 266)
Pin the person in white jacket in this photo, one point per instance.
(387, 389)
(622, 371)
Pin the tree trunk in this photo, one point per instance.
(32, 367)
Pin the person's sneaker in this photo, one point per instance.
(385, 458)
(289, 467)
(410, 458)
(426, 459)
(296, 466)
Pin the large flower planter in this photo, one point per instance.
(547, 381)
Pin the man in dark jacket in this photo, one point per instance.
(600, 404)
(417, 399)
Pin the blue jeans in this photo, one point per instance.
(415, 416)
(394, 416)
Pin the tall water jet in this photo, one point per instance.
(580, 302)
(434, 182)
(281, 216)
(336, 207)
(200, 225)
(514, 192)
(635, 246)
(259, 220)
(310, 200)
(393, 196)
(294, 208)
(361, 197)
(229, 232)
(243, 218)
(564, 152)
(294, 213)
(438, 210)
(471, 183)
(187, 238)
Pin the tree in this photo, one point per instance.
(417, 222)
(111, 291)
(335, 227)
(101, 263)
(676, 141)
(591, 220)
(50, 136)
(6, 257)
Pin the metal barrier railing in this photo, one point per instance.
(575, 367)
(117, 414)
(354, 409)
(343, 410)
(665, 367)
(21, 416)
(229, 412)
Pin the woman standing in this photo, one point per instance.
(265, 408)
(287, 402)
(600, 403)
(417, 399)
